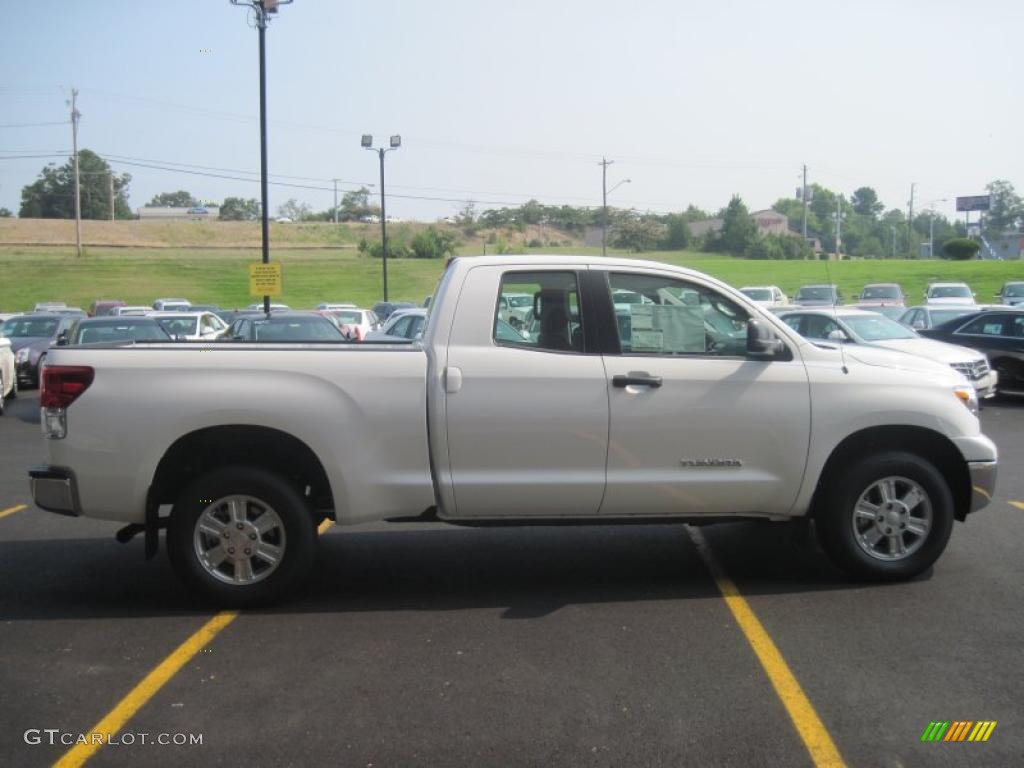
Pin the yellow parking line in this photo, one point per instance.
(812, 731)
(12, 510)
(151, 684)
(144, 691)
(1017, 504)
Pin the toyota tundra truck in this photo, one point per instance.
(687, 403)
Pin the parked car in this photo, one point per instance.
(102, 307)
(273, 306)
(514, 307)
(191, 326)
(895, 312)
(48, 306)
(383, 309)
(402, 325)
(948, 293)
(354, 323)
(73, 311)
(1011, 293)
(206, 308)
(997, 334)
(818, 296)
(283, 327)
(172, 305)
(670, 427)
(31, 337)
(198, 211)
(845, 325)
(765, 295)
(326, 305)
(882, 295)
(95, 330)
(8, 373)
(132, 310)
(925, 316)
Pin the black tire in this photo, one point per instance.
(837, 530)
(298, 539)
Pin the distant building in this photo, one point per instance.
(771, 222)
(169, 212)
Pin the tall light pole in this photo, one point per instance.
(262, 10)
(931, 224)
(75, 114)
(394, 143)
(604, 202)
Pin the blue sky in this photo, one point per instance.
(502, 102)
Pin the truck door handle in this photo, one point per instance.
(636, 380)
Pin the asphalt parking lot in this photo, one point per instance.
(442, 646)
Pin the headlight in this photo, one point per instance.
(968, 397)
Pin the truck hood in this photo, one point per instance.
(36, 343)
(902, 361)
(939, 351)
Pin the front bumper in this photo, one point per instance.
(27, 371)
(983, 482)
(55, 490)
(985, 386)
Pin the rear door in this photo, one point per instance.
(696, 428)
(527, 415)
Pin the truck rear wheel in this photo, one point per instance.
(241, 536)
(886, 518)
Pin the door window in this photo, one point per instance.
(819, 327)
(553, 322)
(657, 315)
(986, 325)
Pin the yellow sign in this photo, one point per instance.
(265, 279)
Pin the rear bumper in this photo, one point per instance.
(983, 483)
(55, 490)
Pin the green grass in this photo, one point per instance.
(138, 275)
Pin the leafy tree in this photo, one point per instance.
(1007, 209)
(5, 213)
(738, 231)
(637, 233)
(677, 232)
(961, 248)
(179, 199)
(294, 210)
(865, 202)
(355, 205)
(433, 243)
(239, 209)
(52, 195)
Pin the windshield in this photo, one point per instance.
(179, 326)
(816, 292)
(881, 292)
(1014, 289)
(940, 316)
(297, 329)
(878, 328)
(92, 333)
(758, 294)
(24, 328)
(949, 292)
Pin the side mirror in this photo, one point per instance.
(762, 343)
(62, 339)
(837, 335)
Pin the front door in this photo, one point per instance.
(697, 428)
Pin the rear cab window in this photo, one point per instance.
(539, 310)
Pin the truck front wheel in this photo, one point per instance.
(241, 536)
(887, 517)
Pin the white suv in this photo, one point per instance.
(765, 295)
(949, 293)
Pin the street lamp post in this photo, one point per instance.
(395, 143)
(262, 9)
(604, 202)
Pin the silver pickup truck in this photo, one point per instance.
(637, 392)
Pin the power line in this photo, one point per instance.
(33, 125)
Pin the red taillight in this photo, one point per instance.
(62, 384)
(358, 333)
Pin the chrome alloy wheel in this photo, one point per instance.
(892, 518)
(239, 540)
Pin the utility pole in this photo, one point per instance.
(335, 200)
(604, 204)
(110, 180)
(803, 195)
(839, 219)
(910, 220)
(75, 114)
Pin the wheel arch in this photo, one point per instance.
(920, 441)
(203, 450)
